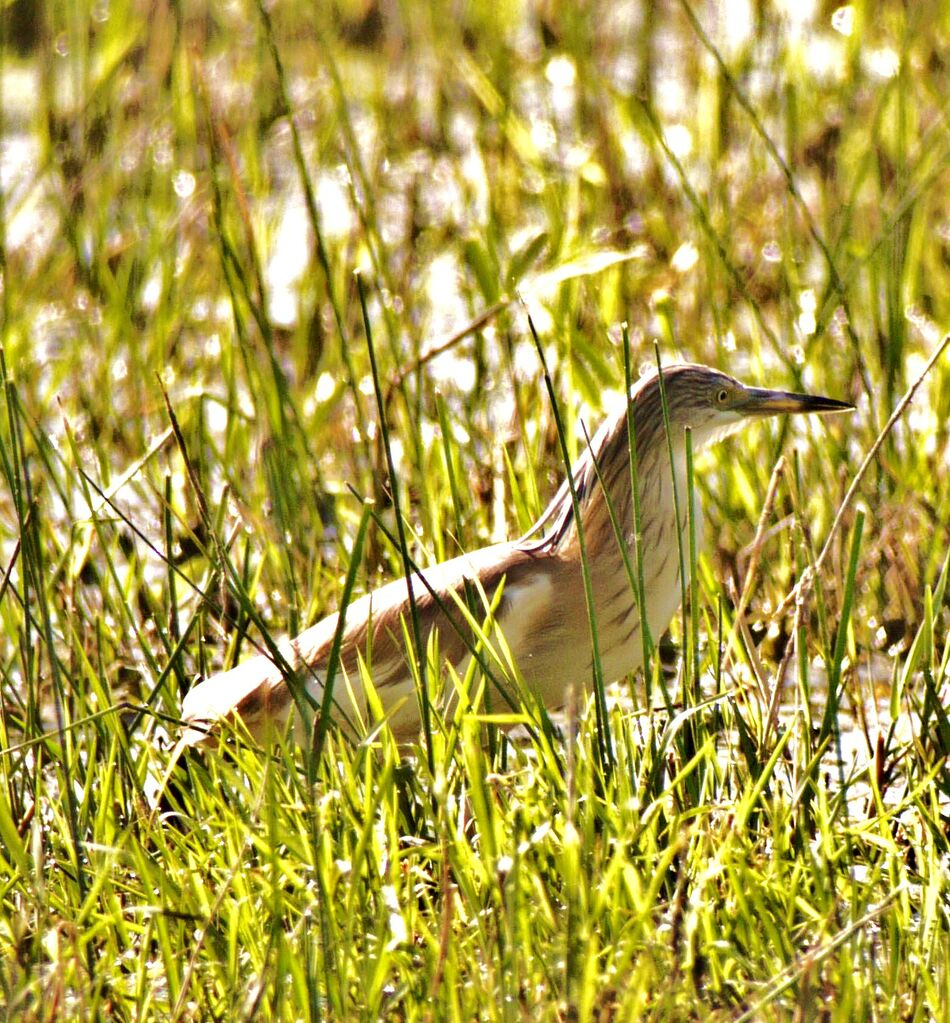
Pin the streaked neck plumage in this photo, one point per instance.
(603, 486)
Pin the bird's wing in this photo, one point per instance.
(256, 691)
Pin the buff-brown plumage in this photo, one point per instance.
(542, 613)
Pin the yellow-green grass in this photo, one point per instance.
(189, 434)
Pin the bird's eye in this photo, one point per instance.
(723, 396)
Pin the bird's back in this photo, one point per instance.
(377, 628)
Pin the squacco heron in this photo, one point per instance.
(542, 613)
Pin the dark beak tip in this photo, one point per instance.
(831, 405)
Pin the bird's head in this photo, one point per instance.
(713, 404)
(709, 403)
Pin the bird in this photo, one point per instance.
(536, 581)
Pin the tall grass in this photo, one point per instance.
(198, 455)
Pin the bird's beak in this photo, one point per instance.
(761, 402)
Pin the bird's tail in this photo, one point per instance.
(254, 692)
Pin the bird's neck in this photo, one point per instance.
(630, 543)
(610, 514)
